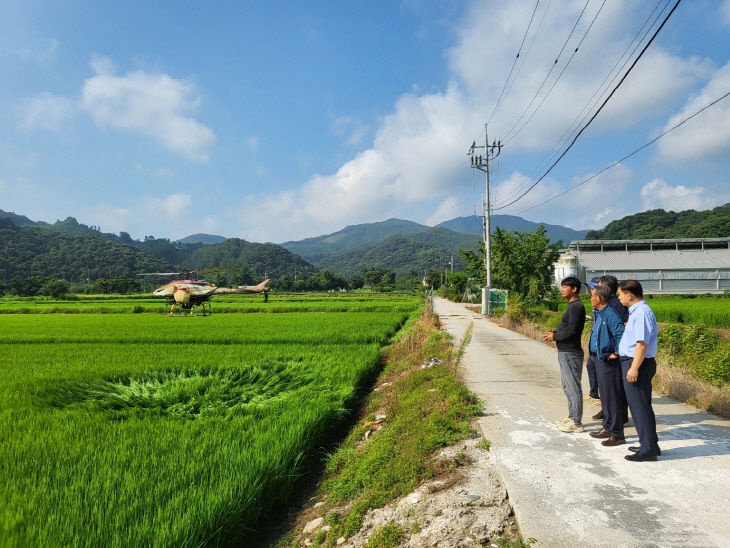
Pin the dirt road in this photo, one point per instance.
(567, 489)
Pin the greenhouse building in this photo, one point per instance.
(689, 265)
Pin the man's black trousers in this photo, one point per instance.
(638, 394)
(613, 398)
(593, 385)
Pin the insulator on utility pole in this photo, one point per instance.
(482, 163)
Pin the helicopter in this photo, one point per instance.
(189, 293)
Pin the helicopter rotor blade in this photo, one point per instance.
(210, 270)
(159, 273)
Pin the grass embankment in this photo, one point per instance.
(693, 360)
(411, 414)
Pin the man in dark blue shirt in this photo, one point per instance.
(603, 347)
(612, 283)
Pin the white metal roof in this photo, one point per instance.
(715, 259)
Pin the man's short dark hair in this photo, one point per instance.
(633, 287)
(572, 281)
(610, 282)
(604, 293)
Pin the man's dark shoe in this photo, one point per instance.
(636, 448)
(613, 441)
(601, 434)
(640, 457)
(598, 416)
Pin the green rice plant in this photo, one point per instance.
(284, 328)
(138, 430)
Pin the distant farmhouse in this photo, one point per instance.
(689, 265)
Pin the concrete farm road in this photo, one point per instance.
(567, 489)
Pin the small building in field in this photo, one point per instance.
(683, 265)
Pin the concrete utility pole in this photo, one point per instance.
(482, 163)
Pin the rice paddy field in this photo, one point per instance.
(712, 311)
(148, 430)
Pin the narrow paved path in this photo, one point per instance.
(569, 490)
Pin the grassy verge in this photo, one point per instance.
(693, 361)
(412, 412)
(417, 408)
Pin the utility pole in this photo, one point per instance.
(481, 162)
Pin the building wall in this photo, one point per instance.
(673, 281)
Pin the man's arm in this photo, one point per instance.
(632, 375)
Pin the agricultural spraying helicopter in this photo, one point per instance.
(189, 293)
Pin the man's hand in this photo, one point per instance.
(548, 336)
(612, 356)
(632, 375)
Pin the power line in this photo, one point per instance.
(617, 162)
(510, 138)
(596, 113)
(539, 89)
(568, 133)
(499, 100)
(565, 137)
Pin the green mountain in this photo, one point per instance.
(473, 225)
(268, 260)
(32, 251)
(353, 236)
(18, 220)
(76, 253)
(657, 223)
(200, 238)
(403, 253)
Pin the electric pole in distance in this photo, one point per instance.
(481, 162)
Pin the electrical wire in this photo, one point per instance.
(510, 138)
(499, 100)
(597, 111)
(617, 162)
(539, 89)
(588, 107)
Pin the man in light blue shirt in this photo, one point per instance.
(637, 351)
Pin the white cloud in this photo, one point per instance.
(252, 143)
(349, 128)
(658, 194)
(708, 134)
(168, 208)
(155, 105)
(589, 205)
(417, 155)
(109, 218)
(492, 35)
(448, 209)
(417, 158)
(44, 111)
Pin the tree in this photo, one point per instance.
(54, 288)
(522, 262)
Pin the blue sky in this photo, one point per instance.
(279, 122)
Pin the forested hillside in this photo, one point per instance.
(403, 254)
(31, 251)
(353, 236)
(657, 223)
(34, 251)
(270, 260)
